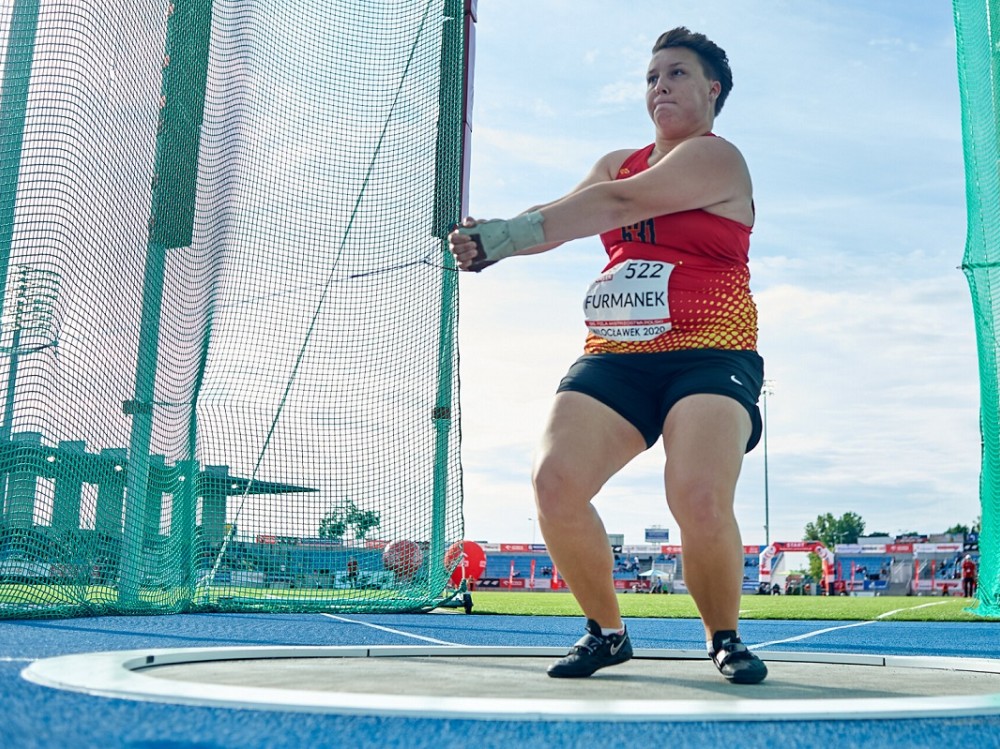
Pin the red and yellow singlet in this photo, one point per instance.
(680, 281)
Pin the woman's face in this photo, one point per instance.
(680, 98)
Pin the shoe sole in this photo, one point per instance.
(556, 673)
(735, 680)
(745, 678)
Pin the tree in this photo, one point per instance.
(339, 520)
(363, 521)
(332, 526)
(957, 530)
(831, 531)
(966, 529)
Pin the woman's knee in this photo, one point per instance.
(702, 509)
(558, 487)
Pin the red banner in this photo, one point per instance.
(556, 583)
(795, 545)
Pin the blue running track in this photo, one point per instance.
(35, 716)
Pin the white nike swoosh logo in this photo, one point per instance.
(615, 649)
(733, 378)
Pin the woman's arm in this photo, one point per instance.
(701, 173)
(604, 170)
(464, 248)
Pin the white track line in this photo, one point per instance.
(807, 635)
(388, 629)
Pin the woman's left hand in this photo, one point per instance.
(462, 246)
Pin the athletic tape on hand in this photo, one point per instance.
(497, 239)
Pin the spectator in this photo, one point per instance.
(968, 576)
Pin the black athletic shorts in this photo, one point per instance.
(642, 388)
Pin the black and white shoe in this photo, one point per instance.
(734, 660)
(593, 651)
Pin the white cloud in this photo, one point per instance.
(621, 92)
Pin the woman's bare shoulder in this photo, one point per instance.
(716, 146)
(612, 162)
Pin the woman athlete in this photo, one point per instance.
(670, 352)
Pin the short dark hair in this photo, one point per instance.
(713, 58)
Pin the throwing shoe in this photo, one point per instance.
(593, 651)
(734, 660)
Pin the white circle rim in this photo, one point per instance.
(119, 675)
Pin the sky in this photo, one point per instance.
(849, 117)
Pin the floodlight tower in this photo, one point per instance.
(766, 390)
(30, 318)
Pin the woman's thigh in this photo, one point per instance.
(704, 437)
(584, 444)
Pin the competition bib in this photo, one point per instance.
(628, 302)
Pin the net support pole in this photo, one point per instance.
(448, 202)
(13, 112)
(171, 225)
(182, 520)
(141, 411)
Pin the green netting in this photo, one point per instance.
(228, 350)
(977, 24)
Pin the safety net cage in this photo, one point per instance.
(228, 342)
(977, 25)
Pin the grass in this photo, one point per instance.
(485, 603)
(838, 608)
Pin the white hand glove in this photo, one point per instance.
(497, 239)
